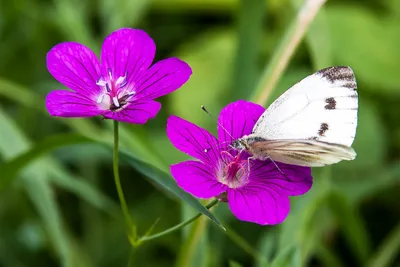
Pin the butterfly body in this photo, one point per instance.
(311, 124)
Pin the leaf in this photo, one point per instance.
(11, 168)
(166, 182)
(352, 225)
(35, 181)
(388, 250)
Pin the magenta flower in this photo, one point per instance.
(121, 86)
(258, 194)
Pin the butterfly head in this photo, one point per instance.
(240, 144)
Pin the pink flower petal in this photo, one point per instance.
(137, 112)
(193, 140)
(70, 104)
(163, 78)
(238, 118)
(194, 177)
(128, 51)
(294, 181)
(75, 66)
(258, 205)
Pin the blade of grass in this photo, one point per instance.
(35, 181)
(388, 250)
(352, 225)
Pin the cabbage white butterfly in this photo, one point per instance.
(311, 124)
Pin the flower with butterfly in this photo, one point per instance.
(256, 191)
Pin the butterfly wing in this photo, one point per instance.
(311, 153)
(322, 107)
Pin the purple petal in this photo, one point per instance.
(163, 78)
(75, 66)
(70, 104)
(289, 180)
(193, 140)
(258, 205)
(197, 179)
(138, 112)
(238, 118)
(128, 51)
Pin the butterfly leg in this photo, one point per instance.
(276, 165)
(248, 163)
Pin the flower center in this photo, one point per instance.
(116, 93)
(233, 170)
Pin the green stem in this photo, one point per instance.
(128, 221)
(285, 50)
(178, 226)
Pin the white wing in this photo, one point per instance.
(323, 107)
(302, 152)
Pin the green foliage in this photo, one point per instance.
(58, 205)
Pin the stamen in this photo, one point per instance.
(109, 73)
(100, 99)
(123, 84)
(115, 101)
(108, 87)
(100, 81)
(120, 80)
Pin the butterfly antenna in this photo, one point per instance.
(220, 125)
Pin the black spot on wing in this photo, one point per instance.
(331, 103)
(324, 127)
(342, 74)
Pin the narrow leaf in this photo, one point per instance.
(11, 168)
(388, 250)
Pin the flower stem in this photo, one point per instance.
(128, 221)
(178, 226)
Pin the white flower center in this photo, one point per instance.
(115, 93)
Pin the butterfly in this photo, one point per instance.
(311, 124)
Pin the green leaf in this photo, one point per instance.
(352, 225)
(388, 250)
(11, 168)
(35, 180)
(166, 182)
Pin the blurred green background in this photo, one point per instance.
(62, 209)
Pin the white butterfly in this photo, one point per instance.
(312, 124)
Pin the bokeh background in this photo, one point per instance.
(60, 208)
